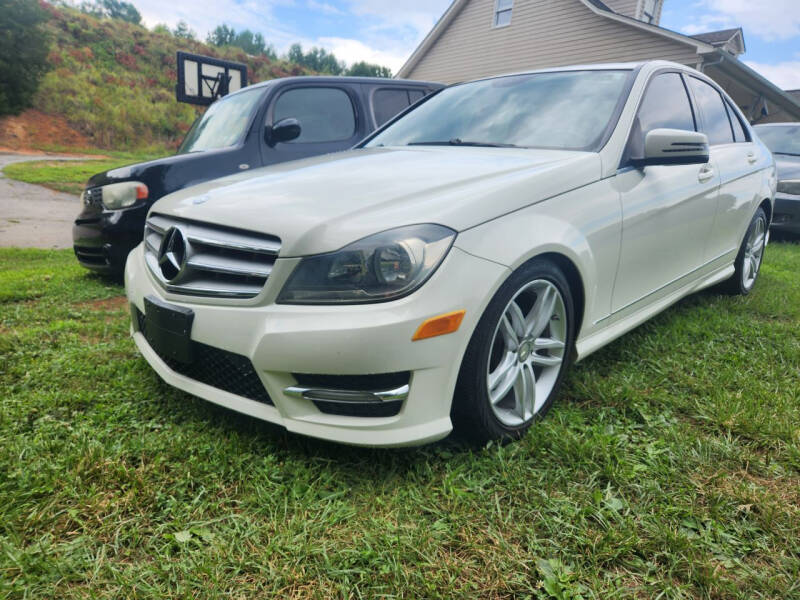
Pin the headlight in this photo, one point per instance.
(122, 195)
(381, 267)
(789, 186)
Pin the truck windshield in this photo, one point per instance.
(224, 124)
(568, 110)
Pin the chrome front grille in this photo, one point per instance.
(204, 259)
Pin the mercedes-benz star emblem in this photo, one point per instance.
(172, 254)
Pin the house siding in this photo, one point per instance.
(623, 7)
(543, 33)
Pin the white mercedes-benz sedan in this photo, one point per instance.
(446, 271)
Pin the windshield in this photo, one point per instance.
(569, 110)
(780, 139)
(224, 123)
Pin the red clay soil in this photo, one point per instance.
(33, 129)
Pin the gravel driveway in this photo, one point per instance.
(32, 216)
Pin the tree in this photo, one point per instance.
(252, 43)
(23, 53)
(365, 69)
(295, 54)
(162, 28)
(316, 59)
(221, 36)
(183, 31)
(113, 9)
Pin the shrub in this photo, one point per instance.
(23, 53)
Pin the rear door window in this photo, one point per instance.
(388, 102)
(716, 124)
(326, 114)
(739, 134)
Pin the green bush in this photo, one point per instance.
(23, 53)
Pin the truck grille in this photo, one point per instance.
(93, 197)
(209, 259)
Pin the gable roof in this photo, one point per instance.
(717, 38)
(727, 39)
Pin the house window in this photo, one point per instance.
(649, 11)
(502, 12)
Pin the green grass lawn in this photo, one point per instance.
(71, 176)
(670, 468)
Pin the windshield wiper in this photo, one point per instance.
(787, 153)
(460, 142)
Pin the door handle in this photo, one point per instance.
(751, 157)
(705, 174)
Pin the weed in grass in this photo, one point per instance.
(669, 467)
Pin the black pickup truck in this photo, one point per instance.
(260, 125)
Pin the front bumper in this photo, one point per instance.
(786, 215)
(282, 341)
(103, 240)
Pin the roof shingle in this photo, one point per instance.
(717, 38)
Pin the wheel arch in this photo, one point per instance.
(766, 204)
(575, 281)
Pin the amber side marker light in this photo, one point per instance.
(441, 325)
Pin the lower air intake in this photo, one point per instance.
(218, 368)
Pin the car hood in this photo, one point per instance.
(788, 166)
(324, 203)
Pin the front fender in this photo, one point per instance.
(582, 225)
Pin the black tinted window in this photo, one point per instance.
(665, 105)
(387, 103)
(738, 129)
(414, 95)
(325, 114)
(715, 117)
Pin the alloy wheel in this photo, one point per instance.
(527, 352)
(753, 253)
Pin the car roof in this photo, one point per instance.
(382, 81)
(621, 66)
(787, 124)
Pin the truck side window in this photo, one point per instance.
(326, 114)
(387, 103)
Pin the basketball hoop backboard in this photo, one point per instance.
(202, 79)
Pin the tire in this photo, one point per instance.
(507, 350)
(751, 254)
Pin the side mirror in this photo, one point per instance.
(673, 147)
(284, 130)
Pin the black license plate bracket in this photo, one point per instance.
(169, 329)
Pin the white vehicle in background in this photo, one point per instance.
(450, 268)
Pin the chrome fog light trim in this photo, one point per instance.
(348, 396)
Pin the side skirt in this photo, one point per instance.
(584, 347)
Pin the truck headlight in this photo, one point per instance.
(378, 268)
(123, 195)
